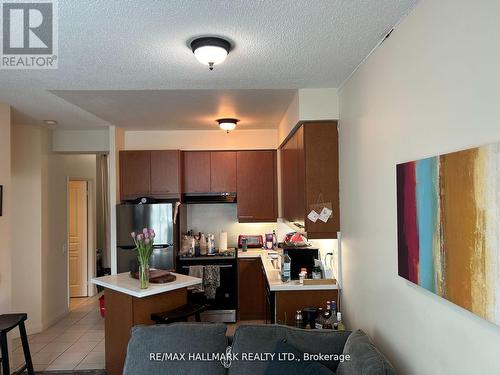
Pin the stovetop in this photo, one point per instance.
(229, 254)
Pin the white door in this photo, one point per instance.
(77, 238)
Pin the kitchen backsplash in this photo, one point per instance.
(214, 218)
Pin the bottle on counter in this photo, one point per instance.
(320, 320)
(197, 245)
(269, 241)
(203, 244)
(339, 325)
(298, 319)
(333, 307)
(285, 267)
(275, 240)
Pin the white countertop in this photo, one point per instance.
(124, 283)
(274, 277)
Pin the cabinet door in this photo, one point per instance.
(196, 171)
(256, 186)
(165, 173)
(223, 171)
(289, 178)
(135, 171)
(252, 289)
(322, 175)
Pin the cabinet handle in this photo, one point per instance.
(246, 217)
(299, 225)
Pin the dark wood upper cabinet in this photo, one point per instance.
(223, 171)
(196, 171)
(135, 171)
(165, 173)
(256, 186)
(310, 175)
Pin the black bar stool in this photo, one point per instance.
(180, 314)
(7, 323)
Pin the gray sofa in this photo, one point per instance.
(188, 348)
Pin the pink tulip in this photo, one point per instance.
(140, 237)
(132, 234)
(146, 235)
(146, 241)
(152, 233)
(145, 231)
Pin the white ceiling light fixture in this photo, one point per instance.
(50, 122)
(227, 124)
(210, 50)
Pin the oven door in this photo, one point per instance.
(226, 297)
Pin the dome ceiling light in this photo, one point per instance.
(227, 124)
(210, 50)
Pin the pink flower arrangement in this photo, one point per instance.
(144, 245)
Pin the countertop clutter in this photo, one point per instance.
(273, 275)
(124, 283)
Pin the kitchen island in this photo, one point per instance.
(281, 299)
(127, 305)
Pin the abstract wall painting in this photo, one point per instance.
(449, 227)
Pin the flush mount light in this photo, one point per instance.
(50, 122)
(210, 50)
(227, 124)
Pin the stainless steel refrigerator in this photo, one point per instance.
(135, 217)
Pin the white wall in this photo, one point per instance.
(27, 223)
(5, 219)
(431, 88)
(201, 139)
(116, 143)
(80, 141)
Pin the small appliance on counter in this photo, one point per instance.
(304, 257)
(252, 241)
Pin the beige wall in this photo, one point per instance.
(58, 168)
(27, 223)
(201, 140)
(431, 88)
(84, 141)
(309, 105)
(6, 218)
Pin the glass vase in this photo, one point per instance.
(144, 275)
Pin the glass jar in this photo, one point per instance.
(144, 275)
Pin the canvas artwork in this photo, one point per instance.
(449, 227)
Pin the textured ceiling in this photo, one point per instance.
(142, 45)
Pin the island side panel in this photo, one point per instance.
(144, 307)
(117, 325)
(288, 302)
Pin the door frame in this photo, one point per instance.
(91, 235)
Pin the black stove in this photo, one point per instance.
(223, 307)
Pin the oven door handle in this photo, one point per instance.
(220, 266)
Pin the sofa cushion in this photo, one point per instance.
(263, 339)
(294, 367)
(147, 341)
(365, 359)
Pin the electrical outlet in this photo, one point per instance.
(64, 248)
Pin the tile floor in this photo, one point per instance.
(74, 343)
